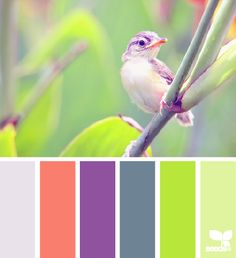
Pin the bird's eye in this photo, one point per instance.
(141, 43)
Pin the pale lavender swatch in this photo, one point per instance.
(17, 214)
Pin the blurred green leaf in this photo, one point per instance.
(77, 25)
(120, 28)
(78, 84)
(181, 23)
(62, 7)
(7, 142)
(214, 77)
(38, 126)
(106, 138)
(90, 84)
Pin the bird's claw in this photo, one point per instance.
(174, 107)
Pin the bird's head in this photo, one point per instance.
(145, 44)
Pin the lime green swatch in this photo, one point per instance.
(177, 210)
(218, 209)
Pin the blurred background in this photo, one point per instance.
(90, 88)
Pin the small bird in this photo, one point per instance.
(147, 79)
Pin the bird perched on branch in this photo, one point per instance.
(147, 79)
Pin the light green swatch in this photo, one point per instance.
(218, 209)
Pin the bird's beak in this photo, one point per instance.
(158, 42)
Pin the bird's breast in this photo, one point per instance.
(143, 84)
(135, 73)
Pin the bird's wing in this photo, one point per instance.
(163, 70)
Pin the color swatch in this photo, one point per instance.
(218, 209)
(17, 209)
(137, 209)
(97, 209)
(57, 209)
(177, 209)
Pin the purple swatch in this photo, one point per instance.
(97, 209)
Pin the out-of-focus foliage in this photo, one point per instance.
(90, 89)
(222, 69)
(7, 142)
(106, 138)
(42, 120)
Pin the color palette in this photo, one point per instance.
(118, 209)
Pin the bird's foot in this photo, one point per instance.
(173, 107)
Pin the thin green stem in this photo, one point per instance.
(57, 68)
(215, 38)
(209, 51)
(7, 57)
(191, 53)
(153, 128)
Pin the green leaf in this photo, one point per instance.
(77, 25)
(38, 126)
(106, 138)
(91, 86)
(7, 142)
(214, 77)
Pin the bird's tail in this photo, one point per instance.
(185, 119)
